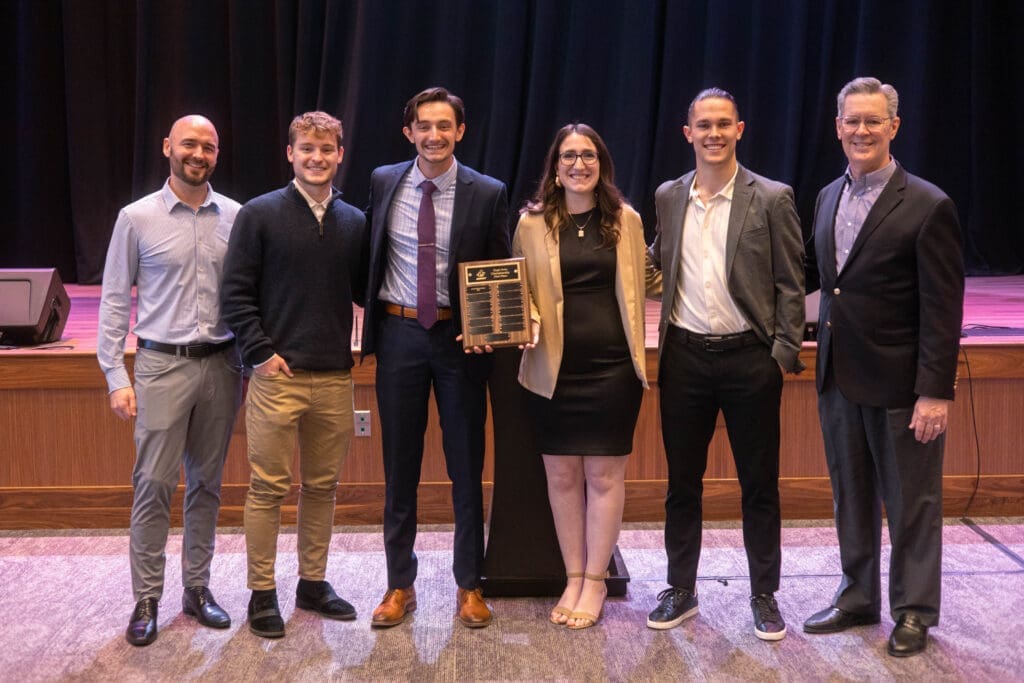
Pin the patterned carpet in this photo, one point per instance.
(66, 601)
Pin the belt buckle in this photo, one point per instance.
(195, 350)
(709, 340)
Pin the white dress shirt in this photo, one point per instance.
(702, 302)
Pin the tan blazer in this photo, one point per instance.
(538, 370)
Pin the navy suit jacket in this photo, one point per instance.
(479, 231)
(890, 321)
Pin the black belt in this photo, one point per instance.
(188, 350)
(716, 342)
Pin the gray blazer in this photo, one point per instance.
(764, 259)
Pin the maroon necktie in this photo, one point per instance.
(426, 263)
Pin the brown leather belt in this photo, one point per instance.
(406, 312)
(715, 342)
(186, 351)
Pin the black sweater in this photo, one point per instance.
(289, 282)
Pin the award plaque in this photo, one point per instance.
(495, 303)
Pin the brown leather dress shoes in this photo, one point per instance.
(473, 611)
(392, 609)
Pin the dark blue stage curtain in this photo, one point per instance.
(91, 88)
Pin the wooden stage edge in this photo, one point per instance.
(108, 507)
(68, 461)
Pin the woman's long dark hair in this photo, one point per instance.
(550, 198)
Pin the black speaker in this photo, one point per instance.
(34, 306)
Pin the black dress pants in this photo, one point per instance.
(410, 362)
(746, 385)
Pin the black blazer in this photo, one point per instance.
(479, 231)
(890, 322)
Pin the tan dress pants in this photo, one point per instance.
(314, 410)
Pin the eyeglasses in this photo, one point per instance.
(569, 158)
(851, 124)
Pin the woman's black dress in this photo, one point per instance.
(597, 396)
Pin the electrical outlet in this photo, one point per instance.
(362, 422)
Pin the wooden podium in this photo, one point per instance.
(522, 557)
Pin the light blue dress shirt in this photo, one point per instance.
(399, 286)
(859, 195)
(175, 258)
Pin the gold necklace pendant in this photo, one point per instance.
(581, 228)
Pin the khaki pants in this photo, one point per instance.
(314, 409)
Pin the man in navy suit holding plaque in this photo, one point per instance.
(428, 215)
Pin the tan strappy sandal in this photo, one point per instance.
(558, 611)
(587, 618)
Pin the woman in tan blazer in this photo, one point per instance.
(584, 250)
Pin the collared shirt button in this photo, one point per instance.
(828, 323)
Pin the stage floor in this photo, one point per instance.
(993, 314)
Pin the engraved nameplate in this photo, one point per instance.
(495, 303)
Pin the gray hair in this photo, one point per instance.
(866, 85)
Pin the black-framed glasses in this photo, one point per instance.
(851, 124)
(569, 158)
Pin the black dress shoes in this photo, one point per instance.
(142, 626)
(834, 620)
(264, 616)
(909, 637)
(198, 602)
(318, 596)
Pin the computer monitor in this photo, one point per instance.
(34, 306)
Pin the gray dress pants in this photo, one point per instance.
(873, 458)
(186, 413)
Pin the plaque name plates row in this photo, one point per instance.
(495, 303)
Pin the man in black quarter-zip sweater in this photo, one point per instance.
(291, 274)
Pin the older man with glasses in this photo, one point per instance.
(888, 250)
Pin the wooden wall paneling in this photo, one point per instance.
(69, 460)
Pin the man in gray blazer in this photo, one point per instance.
(730, 251)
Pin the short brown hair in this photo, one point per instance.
(436, 94)
(315, 122)
(712, 93)
(550, 197)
